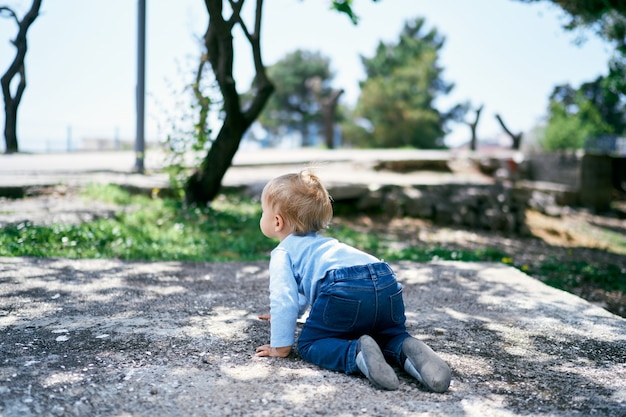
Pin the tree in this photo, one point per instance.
(594, 109)
(572, 119)
(302, 80)
(328, 100)
(606, 17)
(516, 138)
(608, 95)
(204, 184)
(599, 106)
(397, 97)
(473, 127)
(16, 69)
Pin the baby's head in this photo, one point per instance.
(301, 200)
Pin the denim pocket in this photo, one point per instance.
(341, 313)
(397, 307)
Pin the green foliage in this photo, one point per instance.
(356, 134)
(427, 254)
(189, 133)
(573, 118)
(608, 95)
(571, 275)
(153, 229)
(301, 78)
(568, 129)
(382, 248)
(183, 150)
(109, 193)
(397, 98)
(345, 6)
(366, 242)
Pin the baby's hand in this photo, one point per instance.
(266, 317)
(267, 350)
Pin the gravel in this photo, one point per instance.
(113, 338)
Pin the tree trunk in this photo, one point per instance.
(305, 135)
(12, 101)
(10, 125)
(205, 183)
(473, 126)
(329, 106)
(515, 138)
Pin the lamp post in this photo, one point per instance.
(141, 85)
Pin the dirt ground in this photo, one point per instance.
(93, 337)
(112, 338)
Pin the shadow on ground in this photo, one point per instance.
(102, 337)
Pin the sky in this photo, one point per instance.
(81, 62)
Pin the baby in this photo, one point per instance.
(356, 323)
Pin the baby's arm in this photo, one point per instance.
(267, 350)
(283, 307)
(283, 302)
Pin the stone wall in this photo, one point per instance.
(497, 207)
(557, 167)
(596, 185)
(588, 180)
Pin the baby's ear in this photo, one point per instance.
(279, 223)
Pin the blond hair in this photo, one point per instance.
(302, 201)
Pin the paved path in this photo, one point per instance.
(111, 338)
(124, 161)
(249, 167)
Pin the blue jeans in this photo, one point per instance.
(354, 301)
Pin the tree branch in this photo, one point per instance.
(20, 41)
(236, 17)
(516, 138)
(473, 125)
(11, 13)
(218, 41)
(11, 102)
(264, 86)
(508, 132)
(203, 101)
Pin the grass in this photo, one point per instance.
(154, 229)
(160, 229)
(571, 275)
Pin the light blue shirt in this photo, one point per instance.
(297, 265)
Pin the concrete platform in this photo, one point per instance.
(19, 172)
(112, 338)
